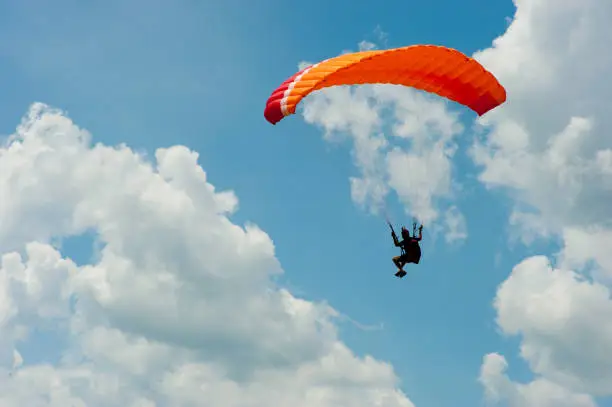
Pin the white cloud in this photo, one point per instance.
(402, 142)
(549, 147)
(584, 244)
(177, 309)
(538, 393)
(304, 65)
(366, 46)
(565, 324)
(550, 143)
(457, 227)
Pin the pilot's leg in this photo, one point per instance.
(400, 261)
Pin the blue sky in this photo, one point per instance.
(157, 74)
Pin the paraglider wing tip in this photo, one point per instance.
(490, 101)
(273, 112)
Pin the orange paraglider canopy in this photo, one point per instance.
(431, 68)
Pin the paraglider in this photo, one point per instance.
(409, 245)
(443, 71)
(431, 68)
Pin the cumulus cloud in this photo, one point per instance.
(550, 145)
(499, 388)
(178, 307)
(549, 148)
(403, 141)
(565, 324)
